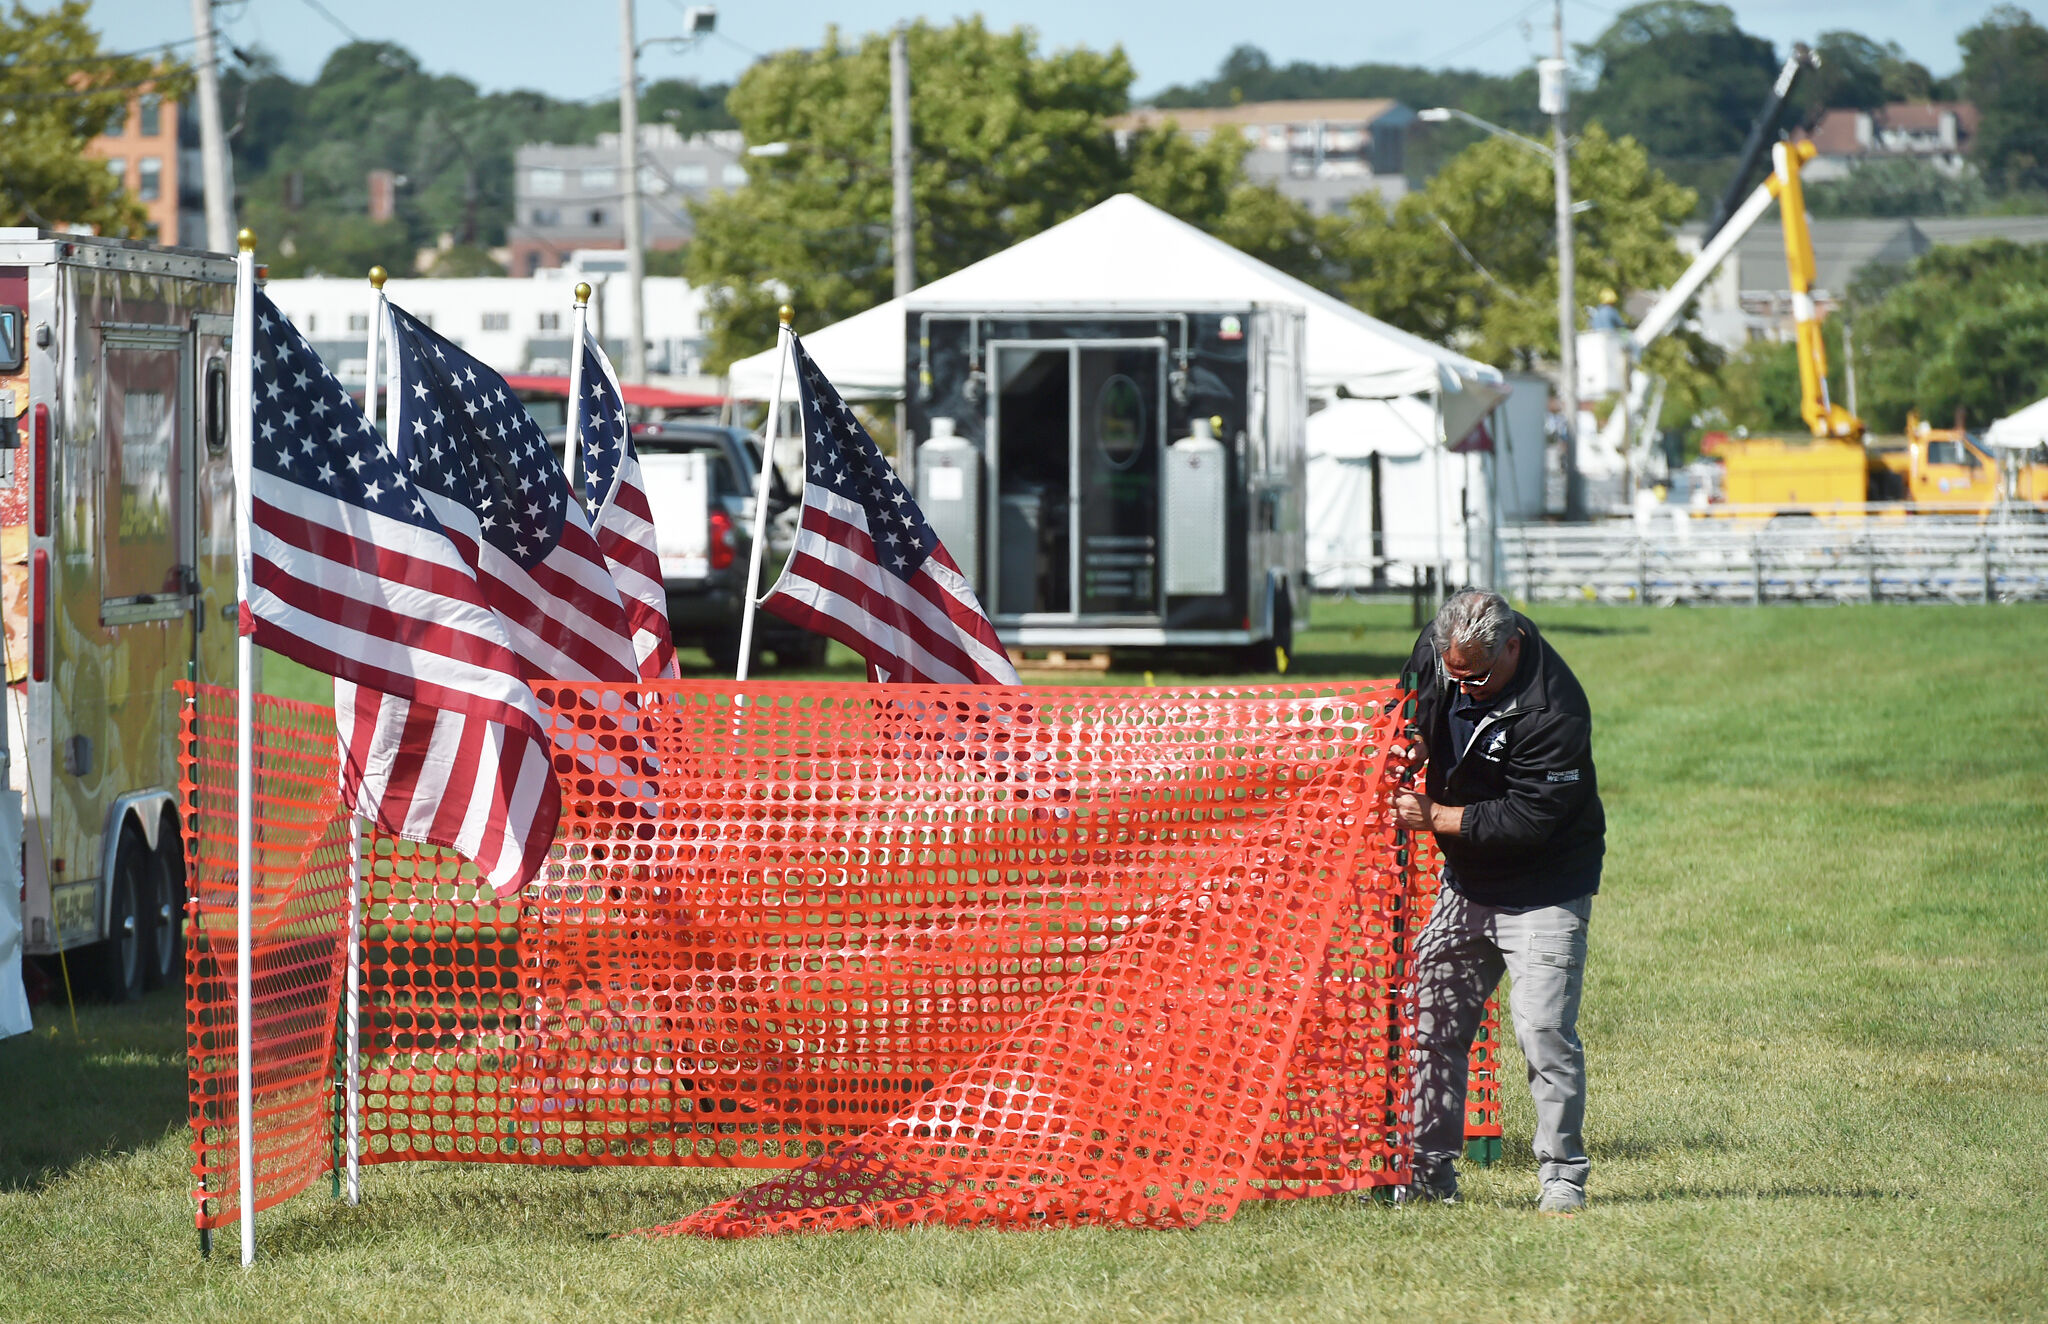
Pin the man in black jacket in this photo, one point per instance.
(1514, 803)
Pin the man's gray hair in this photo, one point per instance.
(1473, 617)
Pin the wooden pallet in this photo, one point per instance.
(1057, 659)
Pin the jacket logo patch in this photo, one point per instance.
(1497, 745)
(1568, 775)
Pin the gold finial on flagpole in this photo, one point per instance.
(582, 292)
(377, 278)
(785, 314)
(246, 240)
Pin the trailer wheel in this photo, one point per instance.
(166, 910)
(1269, 656)
(118, 961)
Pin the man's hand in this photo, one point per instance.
(1419, 813)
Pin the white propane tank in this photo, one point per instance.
(949, 493)
(1197, 506)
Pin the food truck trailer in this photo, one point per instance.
(117, 528)
(1117, 477)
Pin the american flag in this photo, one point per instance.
(353, 574)
(490, 478)
(620, 513)
(867, 568)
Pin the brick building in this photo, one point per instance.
(152, 147)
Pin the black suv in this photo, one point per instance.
(706, 611)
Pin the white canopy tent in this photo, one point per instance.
(2022, 431)
(1127, 253)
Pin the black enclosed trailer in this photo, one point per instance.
(1115, 476)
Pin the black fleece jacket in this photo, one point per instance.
(1534, 832)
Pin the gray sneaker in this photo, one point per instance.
(1561, 1197)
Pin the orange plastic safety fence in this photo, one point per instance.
(299, 909)
(779, 921)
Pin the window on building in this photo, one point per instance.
(532, 263)
(596, 216)
(310, 324)
(497, 321)
(117, 123)
(117, 166)
(735, 175)
(149, 178)
(653, 181)
(550, 322)
(693, 173)
(598, 179)
(152, 107)
(543, 181)
(358, 321)
(547, 216)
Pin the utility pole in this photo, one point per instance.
(213, 143)
(629, 162)
(1553, 81)
(903, 221)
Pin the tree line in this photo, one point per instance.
(1010, 140)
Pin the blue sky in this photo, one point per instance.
(569, 47)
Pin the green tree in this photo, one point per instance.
(1009, 142)
(1680, 77)
(1963, 327)
(2005, 72)
(1857, 73)
(1898, 187)
(1471, 259)
(58, 90)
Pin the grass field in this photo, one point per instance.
(1816, 1013)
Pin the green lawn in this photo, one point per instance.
(1817, 1016)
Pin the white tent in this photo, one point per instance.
(1124, 253)
(2022, 431)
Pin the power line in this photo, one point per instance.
(163, 48)
(1484, 37)
(328, 14)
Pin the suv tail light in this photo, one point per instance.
(39, 458)
(39, 616)
(721, 540)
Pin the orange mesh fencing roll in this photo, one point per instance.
(299, 912)
(1149, 944)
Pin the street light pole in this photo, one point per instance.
(902, 219)
(1552, 81)
(213, 143)
(629, 161)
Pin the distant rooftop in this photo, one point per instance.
(1357, 110)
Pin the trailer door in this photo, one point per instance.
(1120, 398)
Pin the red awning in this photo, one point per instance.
(650, 397)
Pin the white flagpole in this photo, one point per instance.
(572, 449)
(764, 482)
(352, 1102)
(244, 431)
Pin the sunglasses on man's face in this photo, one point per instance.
(1479, 681)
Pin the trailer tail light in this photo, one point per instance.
(39, 457)
(39, 616)
(721, 540)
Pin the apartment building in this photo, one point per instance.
(569, 196)
(1323, 154)
(1939, 133)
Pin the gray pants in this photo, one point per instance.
(1458, 961)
